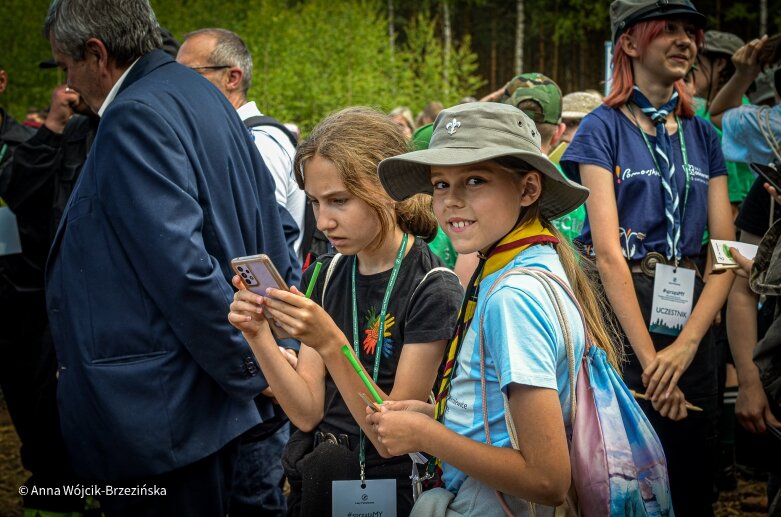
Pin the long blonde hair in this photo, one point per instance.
(355, 140)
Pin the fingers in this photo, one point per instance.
(744, 263)
(771, 419)
(237, 283)
(772, 191)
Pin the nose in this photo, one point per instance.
(454, 197)
(323, 220)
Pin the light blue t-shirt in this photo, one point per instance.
(743, 140)
(609, 139)
(522, 336)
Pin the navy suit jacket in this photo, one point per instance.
(152, 376)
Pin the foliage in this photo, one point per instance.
(311, 57)
(23, 47)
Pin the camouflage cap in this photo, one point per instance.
(625, 13)
(538, 88)
(717, 42)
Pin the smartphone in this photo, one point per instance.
(769, 173)
(771, 51)
(257, 273)
(773, 431)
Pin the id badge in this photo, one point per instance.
(673, 296)
(377, 499)
(9, 233)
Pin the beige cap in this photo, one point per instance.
(577, 105)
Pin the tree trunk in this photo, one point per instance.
(447, 34)
(542, 42)
(762, 17)
(391, 29)
(519, 28)
(494, 52)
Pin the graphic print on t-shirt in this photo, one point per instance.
(373, 329)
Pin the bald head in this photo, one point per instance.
(221, 57)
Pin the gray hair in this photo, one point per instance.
(229, 49)
(128, 28)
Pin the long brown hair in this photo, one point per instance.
(355, 140)
(579, 270)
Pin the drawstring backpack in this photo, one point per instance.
(618, 464)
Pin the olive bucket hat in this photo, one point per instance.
(625, 13)
(477, 132)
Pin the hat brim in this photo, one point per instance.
(410, 173)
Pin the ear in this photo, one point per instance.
(233, 78)
(96, 49)
(718, 65)
(3, 80)
(531, 188)
(556, 138)
(628, 44)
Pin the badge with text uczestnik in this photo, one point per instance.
(9, 233)
(376, 498)
(673, 296)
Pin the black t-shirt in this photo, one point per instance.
(418, 312)
(754, 216)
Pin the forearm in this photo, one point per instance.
(742, 329)
(502, 468)
(619, 288)
(730, 96)
(296, 396)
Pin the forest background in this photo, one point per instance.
(314, 56)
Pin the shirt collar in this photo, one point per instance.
(249, 110)
(114, 89)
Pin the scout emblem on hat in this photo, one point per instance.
(452, 126)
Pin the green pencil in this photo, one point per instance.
(311, 286)
(357, 367)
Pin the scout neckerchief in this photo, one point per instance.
(663, 159)
(499, 256)
(380, 332)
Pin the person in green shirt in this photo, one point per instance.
(712, 70)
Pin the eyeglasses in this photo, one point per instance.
(209, 67)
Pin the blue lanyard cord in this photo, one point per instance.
(380, 332)
(682, 140)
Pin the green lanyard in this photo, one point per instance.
(380, 333)
(686, 172)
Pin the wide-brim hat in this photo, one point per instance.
(477, 132)
(625, 13)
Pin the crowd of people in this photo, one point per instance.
(412, 256)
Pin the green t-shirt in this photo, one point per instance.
(443, 248)
(570, 225)
(739, 176)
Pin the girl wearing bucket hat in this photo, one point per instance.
(495, 193)
(657, 179)
(387, 300)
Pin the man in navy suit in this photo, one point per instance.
(154, 384)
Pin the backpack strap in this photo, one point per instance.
(265, 120)
(328, 273)
(434, 270)
(547, 279)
